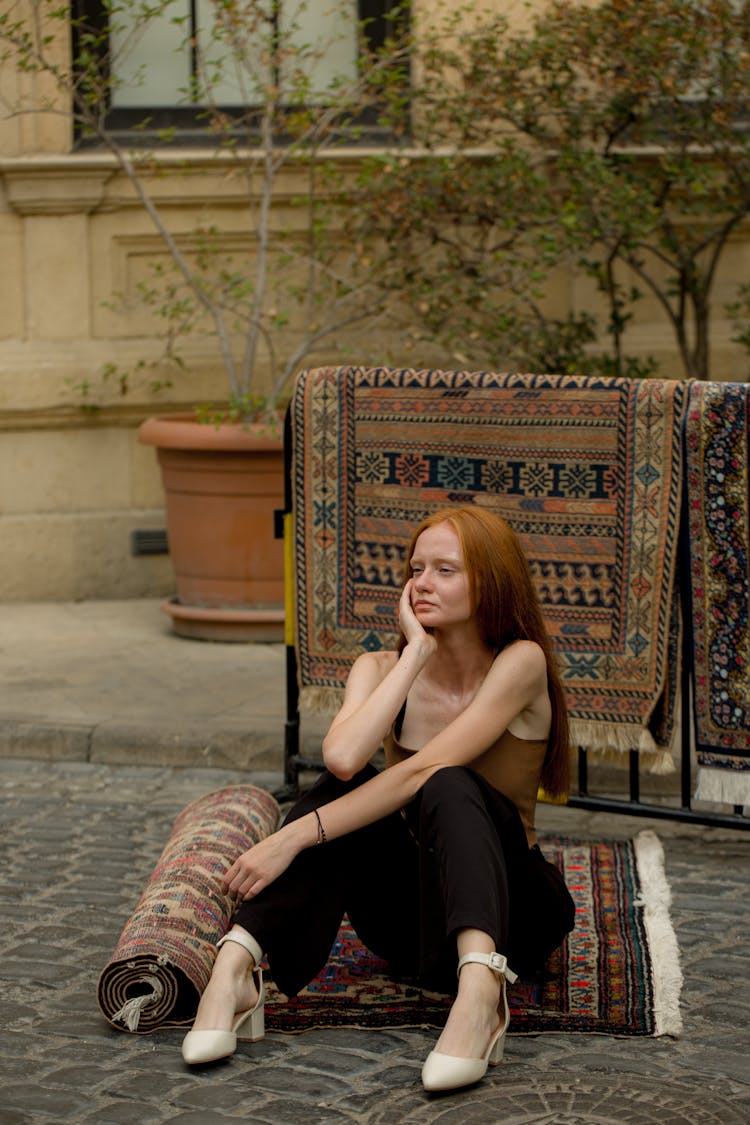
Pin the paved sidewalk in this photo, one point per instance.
(96, 761)
(109, 681)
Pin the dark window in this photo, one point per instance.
(167, 70)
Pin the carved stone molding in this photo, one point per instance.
(44, 188)
(80, 183)
(76, 418)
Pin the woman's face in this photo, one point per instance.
(440, 593)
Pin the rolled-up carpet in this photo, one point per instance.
(163, 959)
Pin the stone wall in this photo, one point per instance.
(75, 483)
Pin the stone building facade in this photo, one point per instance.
(75, 483)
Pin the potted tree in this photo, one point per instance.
(269, 95)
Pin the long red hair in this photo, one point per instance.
(506, 606)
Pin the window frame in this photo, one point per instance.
(185, 125)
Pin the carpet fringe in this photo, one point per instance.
(321, 699)
(611, 742)
(130, 1012)
(665, 954)
(728, 787)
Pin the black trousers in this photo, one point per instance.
(457, 858)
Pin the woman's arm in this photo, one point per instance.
(517, 677)
(515, 680)
(376, 688)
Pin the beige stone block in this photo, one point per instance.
(36, 559)
(79, 557)
(583, 294)
(64, 471)
(146, 490)
(57, 277)
(104, 566)
(144, 265)
(735, 271)
(38, 375)
(11, 275)
(129, 254)
(730, 364)
(10, 126)
(558, 295)
(26, 127)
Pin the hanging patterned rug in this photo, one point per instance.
(618, 972)
(587, 471)
(717, 455)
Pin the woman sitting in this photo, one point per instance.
(435, 858)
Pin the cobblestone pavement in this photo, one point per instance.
(79, 840)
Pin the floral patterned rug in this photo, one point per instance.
(717, 453)
(617, 972)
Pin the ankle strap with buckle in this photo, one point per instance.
(497, 962)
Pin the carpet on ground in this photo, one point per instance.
(588, 472)
(617, 972)
(165, 953)
(717, 505)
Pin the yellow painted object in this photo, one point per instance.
(288, 579)
(548, 799)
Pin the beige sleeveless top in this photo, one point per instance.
(512, 765)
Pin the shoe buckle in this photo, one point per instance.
(498, 962)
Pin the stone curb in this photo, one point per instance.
(115, 743)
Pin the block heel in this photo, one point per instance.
(209, 1046)
(450, 1072)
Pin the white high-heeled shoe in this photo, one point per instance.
(450, 1072)
(208, 1046)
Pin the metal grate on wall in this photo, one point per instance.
(149, 541)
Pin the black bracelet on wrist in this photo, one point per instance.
(321, 830)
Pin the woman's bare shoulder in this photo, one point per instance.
(366, 673)
(374, 665)
(522, 677)
(383, 658)
(524, 658)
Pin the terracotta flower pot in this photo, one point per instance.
(222, 488)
